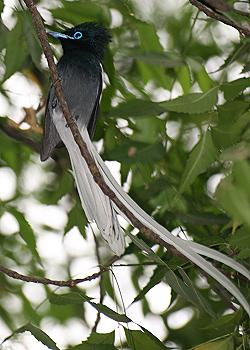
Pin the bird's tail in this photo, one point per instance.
(98, 207)
(191, 250)
(96, 204)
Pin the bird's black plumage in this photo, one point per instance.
(81, 76)
(80, 72)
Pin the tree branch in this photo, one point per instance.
(39, 26)
(41, 280)
(18, 135)
(208, 7)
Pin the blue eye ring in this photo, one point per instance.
(77, 35)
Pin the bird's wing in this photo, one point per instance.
(93, 119)
(51, 137)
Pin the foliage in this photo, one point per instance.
(176, 116)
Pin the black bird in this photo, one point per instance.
(80, 72)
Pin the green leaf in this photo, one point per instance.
(240, 238)
(223, 344)
(77, 218)
(77, 12)
(16, 54)
(148, 37)
(202, 155)
(234, 88)
(144, 247)
(188, 291)
(141, 340)
(33, 44)
(156, 278)
(87, 346)
(1, 6)
(137, 152)
(149, 42)
(233, 192)
(103, 309)
(165, 59)
(184, 78)
(101, 338)
(72, 298)
(26, 232)
(194, 294)
(39, 335)
(153, 338)
(227, 322)
(136, 108)
(78, 298)
(97, 341)
(185, 289)
(192, 103)
(203, 79)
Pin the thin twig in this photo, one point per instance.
(41, 280)
(220, 17)
(16, 134)
(102, 293)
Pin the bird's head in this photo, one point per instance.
(88, 36)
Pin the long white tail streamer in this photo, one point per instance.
(97, 206)
(189, 249)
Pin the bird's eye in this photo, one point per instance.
(77, 35)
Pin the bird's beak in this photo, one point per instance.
(58, 35)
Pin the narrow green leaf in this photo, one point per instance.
(72, 298)
(156, 278)
(143, 246)
(202, 155)
(103, 309)
(184, 78)
(190, 294)
(186, 290)
(234, 88)
(153, 337)
(203, 79)
(39, 335)
(193, 102)
(77, 218)
(26, 232)
(199, 300)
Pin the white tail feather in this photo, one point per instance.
(98, 207)
(189, 249)
(96, 204)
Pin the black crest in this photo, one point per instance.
(95, 38)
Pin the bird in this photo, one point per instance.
(80, 72)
